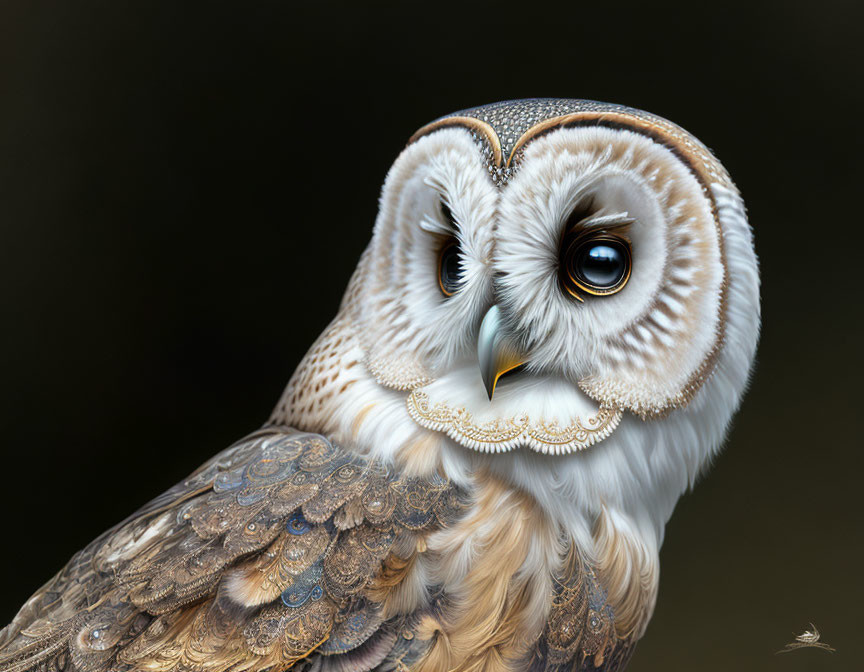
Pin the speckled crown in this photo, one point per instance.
(511, 119)
(503, 130)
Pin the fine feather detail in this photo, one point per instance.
(496, 609)
(238, 567)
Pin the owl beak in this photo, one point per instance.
(496, 353)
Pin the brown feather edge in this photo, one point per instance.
(472, 124)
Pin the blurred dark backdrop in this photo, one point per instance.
(185, 188)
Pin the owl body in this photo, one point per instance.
(472, 467)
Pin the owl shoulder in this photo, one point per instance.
(275, 548)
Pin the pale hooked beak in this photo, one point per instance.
(495, 351)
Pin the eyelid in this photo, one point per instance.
(605, 222)
(431, 222)
(447, 211)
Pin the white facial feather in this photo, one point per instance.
(399, 319)
(640, 348)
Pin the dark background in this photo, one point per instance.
(185, 188)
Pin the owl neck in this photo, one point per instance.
(333, 392)
(563, 497)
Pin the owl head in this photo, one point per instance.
(541, 270)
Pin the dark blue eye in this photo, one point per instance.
(596, 265)
(449, 269)
(601, 265)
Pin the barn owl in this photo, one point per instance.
(472, 467)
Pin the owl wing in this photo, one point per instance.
(580, 634)
(268, 552)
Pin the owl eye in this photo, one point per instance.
(596, 263)
(449, 268)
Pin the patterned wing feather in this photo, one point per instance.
(580, 633)
(262, 556)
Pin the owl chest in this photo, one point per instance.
(493, 570)
(514, 592)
